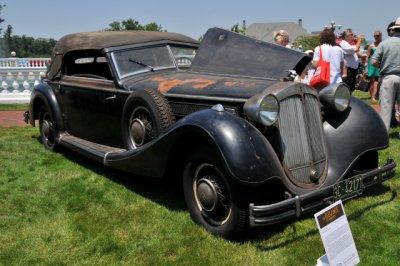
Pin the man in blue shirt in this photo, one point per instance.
(387, 57)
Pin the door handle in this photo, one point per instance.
(111, 98)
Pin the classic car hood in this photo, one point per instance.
(226, 52)
(191, 84)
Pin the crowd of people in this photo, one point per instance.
(373, 67)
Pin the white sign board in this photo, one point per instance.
(336, 235)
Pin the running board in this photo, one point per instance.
(90, 149)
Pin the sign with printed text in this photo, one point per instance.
(336, 235)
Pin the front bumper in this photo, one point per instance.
(313, 201)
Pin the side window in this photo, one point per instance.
(88, 64)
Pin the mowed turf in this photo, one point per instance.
(61, 208)
(14, 107)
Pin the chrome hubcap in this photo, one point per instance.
(211, 194)
(207, 194)
(140, 127)
(138, 131)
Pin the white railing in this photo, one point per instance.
(18, 76)
(24, 62)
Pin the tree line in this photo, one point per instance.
(26, 46)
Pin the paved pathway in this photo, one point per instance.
(11, 118)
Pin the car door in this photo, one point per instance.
(84, 107)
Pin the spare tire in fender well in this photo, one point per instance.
(159, 112)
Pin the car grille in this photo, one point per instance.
(303, 145)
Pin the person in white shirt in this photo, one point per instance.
(350, 56)
(330, 53)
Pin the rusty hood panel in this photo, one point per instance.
(196, 84)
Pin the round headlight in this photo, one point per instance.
(342, 98)
(269, 109)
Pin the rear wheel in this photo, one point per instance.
(211, 196)
(47, 129)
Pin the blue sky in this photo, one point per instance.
(54, 18)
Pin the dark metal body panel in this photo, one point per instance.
(351, 134)
(246, 153)
(43, 92)
(93, 109)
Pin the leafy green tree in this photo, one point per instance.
(308, 42)
(114, 26)
(7, 35)
(131, 24)
(152, 27)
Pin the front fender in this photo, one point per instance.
(351, 134)
(245, 152)
(44, 94)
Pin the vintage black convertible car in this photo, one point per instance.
(250, 147)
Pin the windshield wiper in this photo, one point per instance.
(141, 64)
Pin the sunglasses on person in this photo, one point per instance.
(377, 35)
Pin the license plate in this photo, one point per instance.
(348, 188)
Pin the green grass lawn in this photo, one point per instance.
(14, 107)
(61, 208)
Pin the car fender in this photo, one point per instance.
(43, 92)
(351, 134)
(246, 154)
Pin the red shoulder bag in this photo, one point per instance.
(322, 75)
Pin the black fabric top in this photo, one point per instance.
(105, 39)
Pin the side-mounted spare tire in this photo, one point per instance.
(146, 115)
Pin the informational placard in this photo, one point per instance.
(336, 235)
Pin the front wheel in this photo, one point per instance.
(211, 198)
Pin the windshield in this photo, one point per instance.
(134, 61)
(183, 55)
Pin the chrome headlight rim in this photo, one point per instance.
(341, 99)
(268, 117)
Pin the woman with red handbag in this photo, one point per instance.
(328, 61)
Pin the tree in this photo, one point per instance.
(7, 35)
(131, 24)
(1, 19)
(308, 42)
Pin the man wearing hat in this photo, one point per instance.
(387, 57)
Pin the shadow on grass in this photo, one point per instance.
(170, 195)
(394, 135)
(162, 192)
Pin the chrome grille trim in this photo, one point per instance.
(303, 144)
